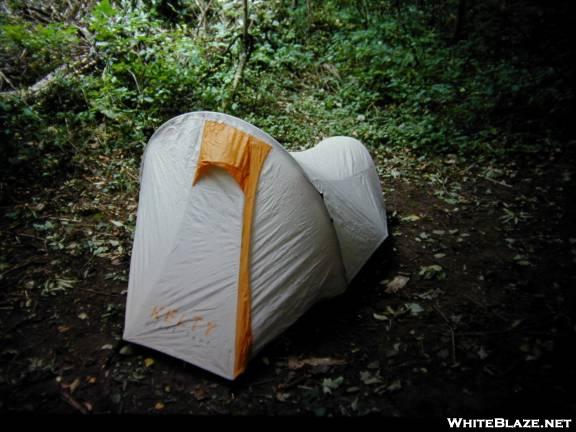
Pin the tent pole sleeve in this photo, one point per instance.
(258, 153)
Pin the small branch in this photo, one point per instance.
(136, 81)
(39, 85)
(237, 77)
(221, 58)
(29, 236)
(244, 56)
(18, 267)
(5, 78)
(99, 292)
(496, 182)
(436, 307)
(48, 80)
(293, 383)
(203, 20)
(460, 21)
(74, 403)
(89, 38)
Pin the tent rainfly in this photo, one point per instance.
(236, 238)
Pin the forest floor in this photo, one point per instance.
(466, 310)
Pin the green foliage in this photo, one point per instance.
(383, 74)
(38, 48)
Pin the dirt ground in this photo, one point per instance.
(468, 309)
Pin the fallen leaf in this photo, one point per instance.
(373, 365)
(282, 397)
(410, 218)
(320, 412)
(159, 406)
(433, 271)
(83, 316)
(148, 362)
(72, 386)
(414, 308)
(127, 350)
(63, 328)
(429, 295)
(380, 317)
(354, 405)
(456, 319)
(482, 353)
(391, 352)
(294, 363)
(397, 284)
(443, 353)
(370, 378)
(329, 384)
(200, 393)
(396, 385)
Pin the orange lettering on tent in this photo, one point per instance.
(195, 321)
(170, 315)
(156, 312)
(242, 156)
(211, 326)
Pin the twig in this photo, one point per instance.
(262, 382)
(62, 70)
(244, 57)
(436, 307)
(203, 21)
(506, 185)
(29, 236)
(99, 292)
(17, 267)
(74, 403)
(504, 331)
(30, 319)
(293, 382)
(136, 81)
(62, 219)
(39, 85)
(5, 78)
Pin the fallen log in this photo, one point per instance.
(63, 71)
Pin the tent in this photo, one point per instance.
(236, 237)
